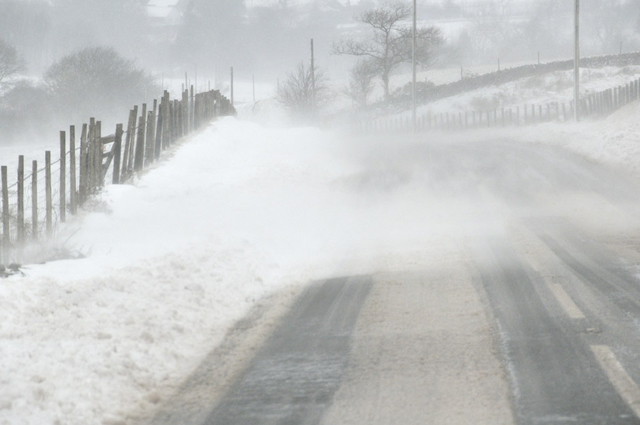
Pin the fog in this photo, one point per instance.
(264, 40)
(244, 211)
(135, 291)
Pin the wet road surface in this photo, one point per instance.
(533, 320)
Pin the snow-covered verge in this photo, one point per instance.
(237, 213)
(613, 141)
(173, 261)
(537, 90)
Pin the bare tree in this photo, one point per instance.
(296, 94)
(390, 43)
(10, 62)
(361, 81)
(492, 31)
(606, 25)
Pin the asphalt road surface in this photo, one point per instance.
(532, 318)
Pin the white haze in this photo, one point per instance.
(242, 211)
(238, 213)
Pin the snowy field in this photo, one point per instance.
(539, 90)
(239, 212)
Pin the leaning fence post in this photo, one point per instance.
(20, 239)
(34, 200)
(151, 135)
(132, 141)
(90, 156)
(175, 121)
(127, 143)
(192, 111)
(63, 177)
(83, 164)
(98, 155)
(159, 127)
(6, 235)
(117, 154)
(49, 201)
(166, 121)
(138, 163)
(185, 112)
(72, 170)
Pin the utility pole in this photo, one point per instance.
(231, 86)
(576, 66)
(413, 64)
(313, 80)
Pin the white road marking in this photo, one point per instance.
(620, 379)
(565, 301)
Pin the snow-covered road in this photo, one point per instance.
(527, 316)
(243, 215)
(174, 260)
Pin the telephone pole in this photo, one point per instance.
(231, 86)
(313, 80)
(576, 66)
(413, 64)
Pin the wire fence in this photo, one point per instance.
(42, 195)
(592, 105)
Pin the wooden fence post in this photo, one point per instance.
(166, 117)
(34, 200)
(192, 118)
(63, 177)
(132, 142)
(21, 230)
(139, 152)
(196, 111)
(6, 232)
(151, 133)
(117, 154)
(6, 235)
(72, 170)
(175, 121)
(185, 112)
(127, 144)
(98, 155)
(159, 128)
(90, 156)
(83, 164)
(48, 185)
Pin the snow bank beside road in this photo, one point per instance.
(237, 213)
(179, 258)
(613, 141)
